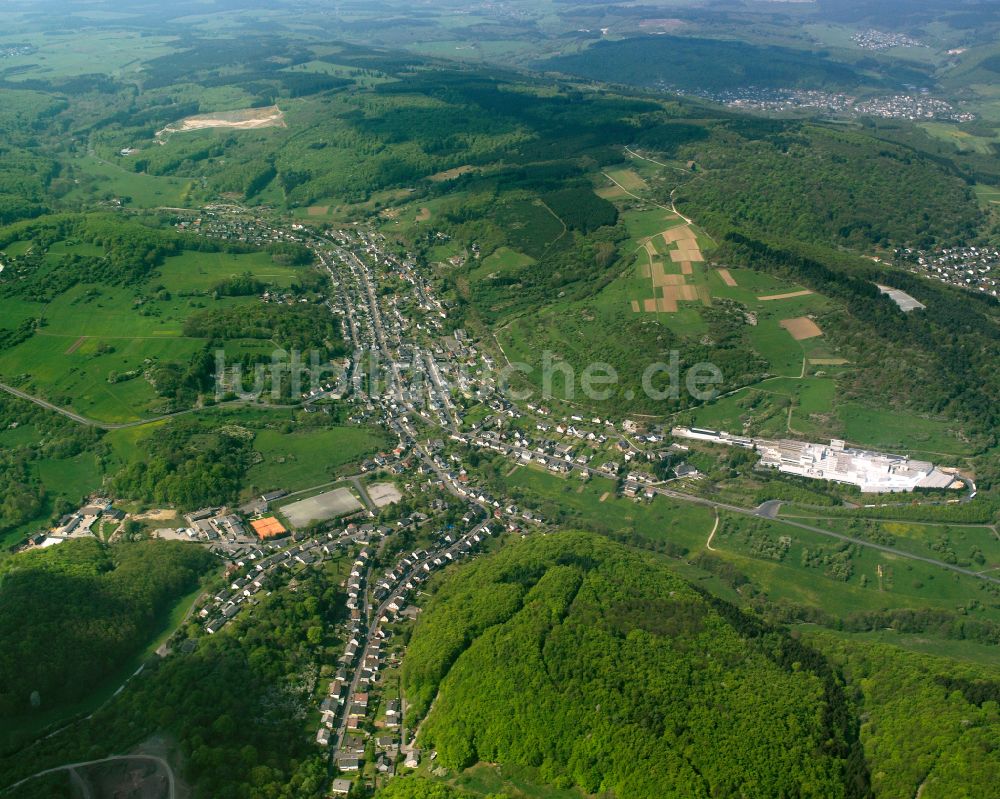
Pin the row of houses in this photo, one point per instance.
(228, 604)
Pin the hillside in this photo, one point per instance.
(604, 670)
(91, 608)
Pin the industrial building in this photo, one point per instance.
(872, 472)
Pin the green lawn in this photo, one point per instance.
(102, 180)
(684, 524)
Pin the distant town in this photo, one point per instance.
(916, 106)
(973, 268)
(872, 39)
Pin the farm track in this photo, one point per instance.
(71, 767)
(89, 422)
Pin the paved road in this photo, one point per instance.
(762, 511)
(71, 767)
(86, 420)
(355, 481)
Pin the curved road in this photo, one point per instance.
(766, 509)
(71, 767)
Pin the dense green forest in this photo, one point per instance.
(932, 725)
(686, 63)
(189, 464)
(813, 184)
(602, 669)
(90, 608)
(299, 327)
(236, 704)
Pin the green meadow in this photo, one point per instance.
(891, 430)
(92, 332)
(298, 460)
(904, 583)
(96, 180)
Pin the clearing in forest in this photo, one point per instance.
(244, 119)
(670, 288)
(451, 174)
(801, 327)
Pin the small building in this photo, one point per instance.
(340, 787)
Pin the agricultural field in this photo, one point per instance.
(92, 334)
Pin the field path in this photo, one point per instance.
(71, 767)
(646, 200)
(711, 535)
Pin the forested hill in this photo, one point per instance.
(601, 668)
(72, 614)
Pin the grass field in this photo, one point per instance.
(92, 331)
(683, 524)
(200, 271)
(294, 461)
(904, 583)
(102, 180)
(888, 429)
(989, 196)
(503, 261)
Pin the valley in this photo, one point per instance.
(519, 401)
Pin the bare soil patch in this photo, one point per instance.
(801, 327)
(787, 296)
(686, 254)
(75, 345)
(318, 210)
(611, 192)
(678, 234)
(451, 174)
(687, 268)
(156, 515)
(727, 278)
(383, 494)
(660, 278)
(244, 119)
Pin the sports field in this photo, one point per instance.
(329, 505)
